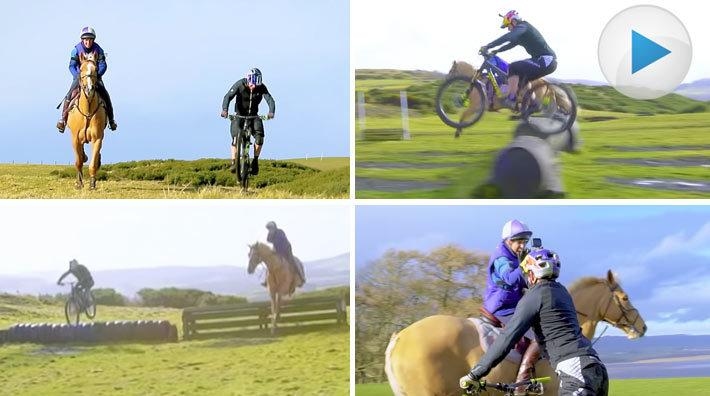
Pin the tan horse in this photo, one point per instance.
(543, 90)
(87, 120)
(429, 356)
(280, 281)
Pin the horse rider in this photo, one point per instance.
(87, 45)
(543, 60)
(83, 277)
(249, 92)
(504, 288)
(547, 307)
(282, 246)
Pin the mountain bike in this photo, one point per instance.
(79, 301)
(461, 100)
(533, 386)
(243, 144)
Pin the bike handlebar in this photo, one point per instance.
(234, 116)
(503, 387)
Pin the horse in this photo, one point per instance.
(87, 120)
(281, 279)
(429, 356)
(541, 87)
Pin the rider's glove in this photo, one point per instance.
(493, 52)
(270, 116)
(223, 114)
(468, 383)
(483, 50)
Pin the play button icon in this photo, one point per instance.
(644, 51)
(656, 58)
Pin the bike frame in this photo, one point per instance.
(490, 71)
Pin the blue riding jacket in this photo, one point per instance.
(79, 48)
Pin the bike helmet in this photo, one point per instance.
(508, 18)
(254, 77)
(73, 263)
(270, 225)
(543, 263)
(515, 230)
(88, 32)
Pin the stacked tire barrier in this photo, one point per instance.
(95, 332)
(529, 166)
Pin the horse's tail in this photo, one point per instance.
(389, 369)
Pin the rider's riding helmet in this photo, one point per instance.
(543, 263)
(73, 263)
(515, 230)
(508, 18)
(254, 77)
(88, 32)
(271, 225)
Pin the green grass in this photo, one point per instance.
(204, 178)
(625, 387)
(314, 363)
(466, 162)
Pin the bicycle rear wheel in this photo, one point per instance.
(90, 307)
(72, 311)
(460, 103)
(555, 112)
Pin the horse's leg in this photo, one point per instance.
(274, 311)
(95, 161)
(78, 161)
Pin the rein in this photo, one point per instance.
(624, 313)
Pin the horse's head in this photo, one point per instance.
(88, 73)
(254, 257)
(620, 312)
(461, 68)
(603, 299)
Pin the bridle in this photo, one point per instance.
(624, 319)
(87, 96)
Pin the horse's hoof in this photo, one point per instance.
(92, 183)
(79, 186)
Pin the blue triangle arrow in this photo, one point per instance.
(644, 51)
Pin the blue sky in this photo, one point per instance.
(169, 65)
(661, 253)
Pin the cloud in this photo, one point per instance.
(668, 327)
(681, 242)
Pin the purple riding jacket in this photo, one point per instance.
(505, 282)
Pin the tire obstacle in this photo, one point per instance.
(93, 332)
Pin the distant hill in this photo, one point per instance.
(620, 349)
(382, 87)
(698, 90)
(320, 274)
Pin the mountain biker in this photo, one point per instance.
(249, 92)
(543, 60)
(504, 288)
(84, 279)
(548, 308)
(282, 246)
(87, 46)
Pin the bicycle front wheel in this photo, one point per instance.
(244, 165)
(90, 308)
(459, 102)
(72, 311)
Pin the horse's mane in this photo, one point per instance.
(585, 282)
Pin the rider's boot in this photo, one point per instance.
(255, 166)
(109, 108)
(527, 366)
(62, 123)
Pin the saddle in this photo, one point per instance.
(489, 328)
(74, 99)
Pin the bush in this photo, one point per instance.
(109, 297)
(173, 297)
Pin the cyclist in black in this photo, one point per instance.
(543, 60)
(547, 307)
(249, 92)
(84, 279)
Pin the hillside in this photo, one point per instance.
(382, 87)
(203, 178)
(321, 274)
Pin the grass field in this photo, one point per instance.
(314, 363)
(626, 387)
(433, 164)
(207, 178)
